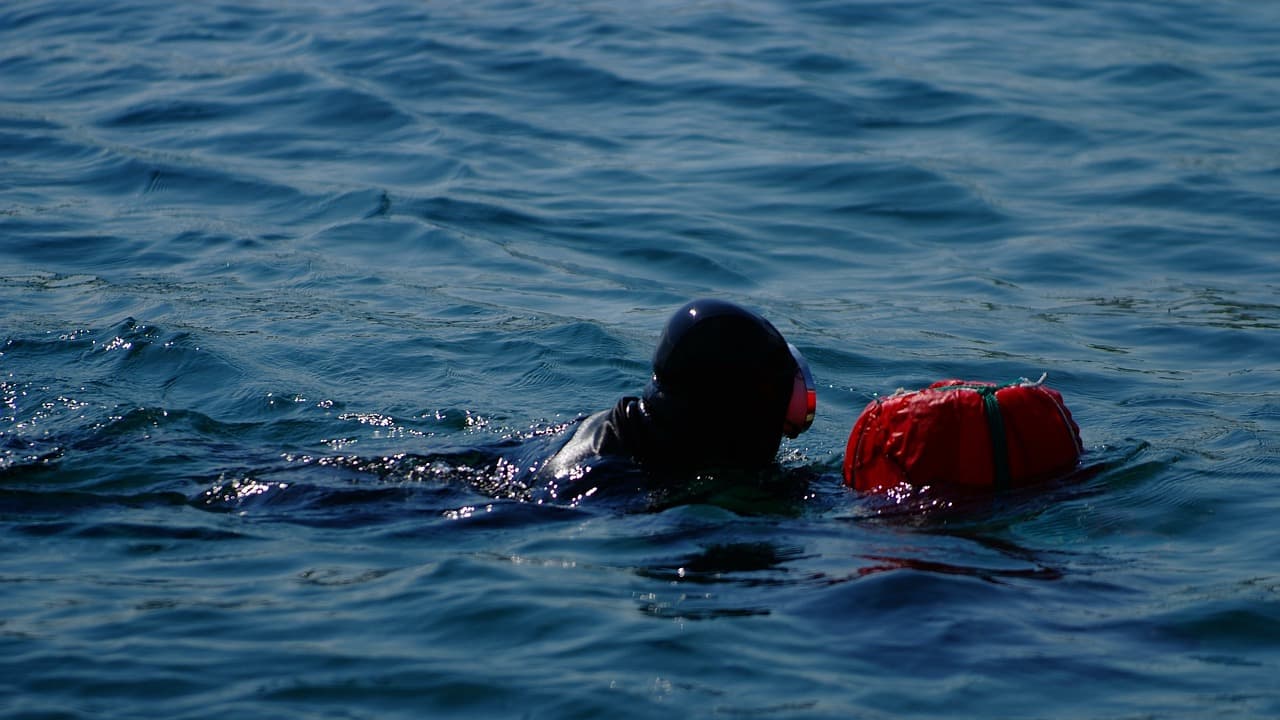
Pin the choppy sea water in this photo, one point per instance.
(289, 291)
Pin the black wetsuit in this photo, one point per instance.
(720, 390)
(636, 430)
(618, 432)
(615, 458)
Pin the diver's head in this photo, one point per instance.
(726, 386)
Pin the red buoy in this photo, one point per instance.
(956, 433)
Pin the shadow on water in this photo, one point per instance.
(934, 537)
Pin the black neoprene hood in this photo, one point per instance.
(722, 379)
(711, 342)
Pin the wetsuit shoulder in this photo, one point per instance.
(608, 433)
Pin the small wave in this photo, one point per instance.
(37, 506)
(168, 111)
(678, 265)
(1144, 75)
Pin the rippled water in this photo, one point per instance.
(290, 293)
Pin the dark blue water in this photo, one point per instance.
(290, 293)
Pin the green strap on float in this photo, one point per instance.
(999, 448)
(995, 426)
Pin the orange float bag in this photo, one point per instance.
(962, 434)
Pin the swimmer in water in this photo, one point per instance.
(726, 387)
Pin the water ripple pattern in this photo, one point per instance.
(293, 297)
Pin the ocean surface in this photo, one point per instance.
(293, 293)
